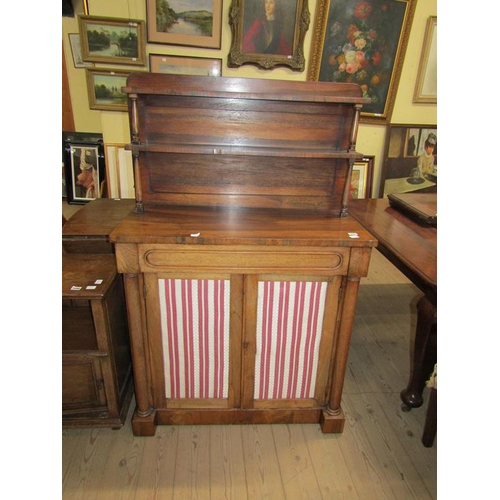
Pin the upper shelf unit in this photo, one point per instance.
(236, 142)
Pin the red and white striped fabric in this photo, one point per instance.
(195, 332)
(289, 324)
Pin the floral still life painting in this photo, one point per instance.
(361, 44)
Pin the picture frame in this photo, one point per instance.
(112, 41)
(105, 89)
(194, 23)
(361, 179)
(184, 65)
(407, 165)
(84, 164)
(365, 43)
(247, 20)
(426, 84)
(76, 51)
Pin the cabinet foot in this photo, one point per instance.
(331, 424)
(144, 426)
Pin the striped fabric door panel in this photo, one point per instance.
(289, 326)
(195, 334)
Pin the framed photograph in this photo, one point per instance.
(76, 51)
(84, 167)
(361, 179)
(426, 86)
(105, 89)
(181, 65)
(268, 34)
(112, 41)
(410, 159)
(362, 42)
(196, 23)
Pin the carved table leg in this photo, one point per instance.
(424, 354)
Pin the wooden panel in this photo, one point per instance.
(68, 122)
(243, 260)
(228, 180)
(242, 122)
(82, 385)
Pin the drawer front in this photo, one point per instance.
(244, 259)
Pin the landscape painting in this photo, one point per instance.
(109, 40)
(105, 89)
(195, 23)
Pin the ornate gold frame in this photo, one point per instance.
(323, 8)
(428, 63)
(296, 61)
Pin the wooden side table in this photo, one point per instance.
(96, 363)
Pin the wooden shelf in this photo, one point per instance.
(236, 150)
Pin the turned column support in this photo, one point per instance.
(332, 417)
(132, 290)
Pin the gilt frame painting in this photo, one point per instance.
(112, 41)
(362, 42)
(268, 35)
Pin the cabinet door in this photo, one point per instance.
(194, 328)
(82, 383)
(289, 336)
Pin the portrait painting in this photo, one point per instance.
(268, 33)
(83, 166)
(410, 160)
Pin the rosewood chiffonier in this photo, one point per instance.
(240, 261)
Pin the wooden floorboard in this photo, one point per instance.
(378, 456)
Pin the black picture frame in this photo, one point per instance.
(84, 167)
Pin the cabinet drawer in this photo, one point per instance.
(244, 259)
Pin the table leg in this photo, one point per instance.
(424, 354)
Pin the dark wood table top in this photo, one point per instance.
(411, 246)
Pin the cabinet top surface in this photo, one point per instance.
(243, 88)
(87, 275)
(216, 226)
(97, 218)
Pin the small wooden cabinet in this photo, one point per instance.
(96, 362)
(240, 262)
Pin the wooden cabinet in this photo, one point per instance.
(241, 264)
(96, 362)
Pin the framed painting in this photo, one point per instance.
(112, 41)
(84, 167)
(105, 89)
(196, 23)
(268, 33)
(76, 51)
(181, 65)
(361, 179)
(410, 159)
(362, 42)
(426, 86)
